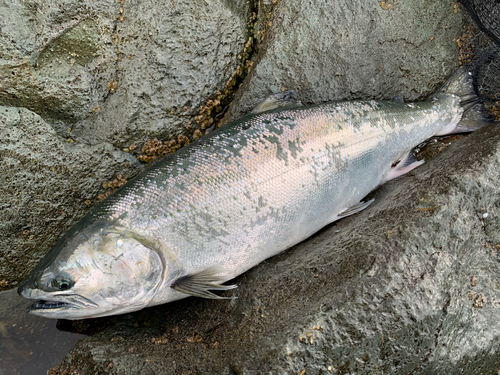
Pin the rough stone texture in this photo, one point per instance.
(56, 57)
(169, 63)
(45, 182)
(340, 50)
(119, 72)
(387, 291)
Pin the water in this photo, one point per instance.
(29, 345)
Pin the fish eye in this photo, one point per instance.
(62, 282)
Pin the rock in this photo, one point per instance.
(118, 72)
(409, 285)
(172, 58)
(55, 58)
(347, 50)
(47, 184)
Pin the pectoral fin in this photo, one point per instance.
(200, 284)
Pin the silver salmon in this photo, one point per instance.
(237, 196)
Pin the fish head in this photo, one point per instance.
(94, 271)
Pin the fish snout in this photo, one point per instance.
(21, 290)
(27, 286)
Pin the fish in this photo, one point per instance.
(237, 196)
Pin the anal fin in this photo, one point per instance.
(355, 209)
(404, 166)
(200, 284)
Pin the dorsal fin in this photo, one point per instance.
(397, 99)
(277, 100)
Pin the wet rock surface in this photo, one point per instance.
(408, 286)
(28, 345)
(170, 59)
(118, 72)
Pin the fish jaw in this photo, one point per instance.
(68, 307)
(61, 305)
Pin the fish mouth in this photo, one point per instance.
(50, 305)
(73, 301)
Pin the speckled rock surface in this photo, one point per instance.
(118, 72)
(408, 286)
(172, 56)
(47, 183)
(56, 57)
(351, 49)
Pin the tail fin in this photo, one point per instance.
(474, 115)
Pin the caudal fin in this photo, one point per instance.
(474, 116)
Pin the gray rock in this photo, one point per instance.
(346, 50)
(172, 57)
(55, 59)
(410, 285)
(47, 183)
(118, 72)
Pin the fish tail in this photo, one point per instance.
(474, 116)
